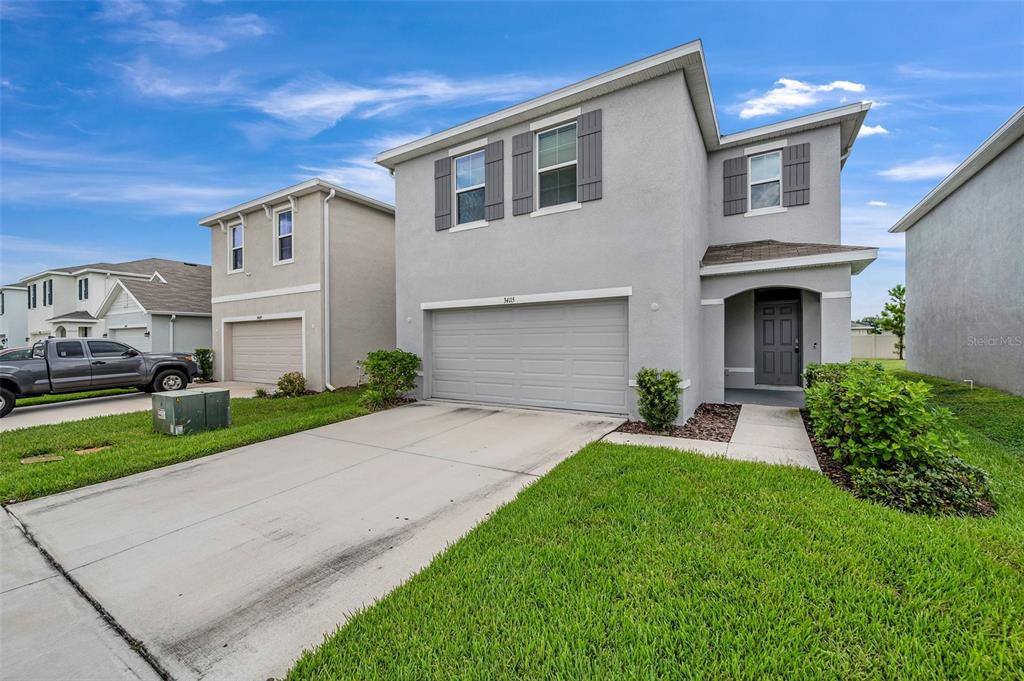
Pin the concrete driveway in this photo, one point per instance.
(76, 410)
(227, 567)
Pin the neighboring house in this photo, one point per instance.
(68, 302)
(965, 268)
(13, 316)
(303, 280)
(169, 312)
(860, 329)
(548, 251)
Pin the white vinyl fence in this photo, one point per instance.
(872, 346)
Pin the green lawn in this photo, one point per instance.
(630, 562)
(135, 447)
(70, 397)
(891, 364)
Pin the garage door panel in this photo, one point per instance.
(263, 351)
(566, 355)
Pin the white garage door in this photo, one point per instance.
(136, 338)
(261, 352)
(563, 356)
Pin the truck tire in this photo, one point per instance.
(170, 379)
(7, 400)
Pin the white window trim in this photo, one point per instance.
(767, 210)
(537, 170)
(758, 149)
(555, 121)
(275, 242)
(231, 260)
(456, 191)
(557, 208)
(468, 147)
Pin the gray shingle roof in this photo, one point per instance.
(76, 314)
(769, 249)
(187, 288)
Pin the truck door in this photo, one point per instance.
(115, 364)
(69, 366)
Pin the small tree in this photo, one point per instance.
(894, 316)
(658, 397)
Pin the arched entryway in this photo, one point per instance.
(60, 332)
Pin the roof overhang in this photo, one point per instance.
(858, 260)
(71, 320)
(996, 144)
(86, 270)
(295, 191)
(688, 58)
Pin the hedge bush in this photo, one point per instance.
(291, 384)
(390, 375)
(658, 397)
(204, 358)
(898, 449)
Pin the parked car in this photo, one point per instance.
(64, 365)
(16, 353)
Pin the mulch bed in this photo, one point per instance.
(714, 422)
(832, 469)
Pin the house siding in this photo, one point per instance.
(973, 330)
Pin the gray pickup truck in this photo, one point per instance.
(66, 365)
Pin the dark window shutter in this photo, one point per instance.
(442, 193)
(796, 175)
(522, 174)
(588, 156)
(734, 186)
(494, 180)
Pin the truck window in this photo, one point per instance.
(106, 349)
(70, 349)
(39, 350)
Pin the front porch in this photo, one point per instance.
(768, 397)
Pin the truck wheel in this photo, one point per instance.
(6, 402)
(171, 379)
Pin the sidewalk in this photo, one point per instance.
(766, 434)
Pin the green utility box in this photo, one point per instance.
(180, 412)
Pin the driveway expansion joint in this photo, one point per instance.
(135, 644)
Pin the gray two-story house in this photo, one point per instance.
(548, 251)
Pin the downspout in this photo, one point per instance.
(327, 290)
(170, 333)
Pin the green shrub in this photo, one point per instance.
(658, 397)
(947, 487)
(390, 374)
(262, 393)
(204, 358)
(829, 373)
(871, 418)
(292, 384)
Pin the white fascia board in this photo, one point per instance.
(810, 121)
(300, 189)
(268, 293)
(867, 254)
(47, 273)
(1002, 138)
(526, 298)
(115, 273)
(181, 314)
(13, 288)
(599, 84)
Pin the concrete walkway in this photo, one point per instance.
(76, 410)
(226, 567)
(767, 434)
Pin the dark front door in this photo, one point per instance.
(777, 342)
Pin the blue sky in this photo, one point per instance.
(123, 123)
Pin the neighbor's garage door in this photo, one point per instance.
(136, 338)
(261, 352)
(564, 356)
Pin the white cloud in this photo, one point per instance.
(872, 130)
(878, 204)
(359, 175)
(151, 81)
(158, 23)
(794, 94)
(932, 168)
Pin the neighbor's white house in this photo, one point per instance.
(13, 316)
(154, 305)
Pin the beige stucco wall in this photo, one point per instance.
(362, 286)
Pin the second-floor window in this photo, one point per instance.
(283, 237)
(235, 262)
(83, 289)
(48, 292)
(32, 296)
(469, 187)
(556, 165)
(3, 303)
(766, 180)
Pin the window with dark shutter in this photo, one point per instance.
(443, 193)
(734, 186)
(522, 174)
